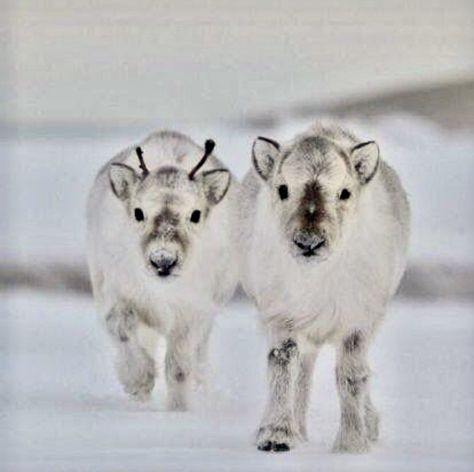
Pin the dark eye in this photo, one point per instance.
(195, 216)
(345, 194)
(139, 216)
(283, 192)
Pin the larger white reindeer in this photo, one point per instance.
(325, 225)
(161, 254)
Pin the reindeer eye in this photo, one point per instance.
(139, 216)
(345, 194)
(195, 216)
(283, 192)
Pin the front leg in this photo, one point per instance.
(179, 368)
(135, 368)
(278, 431)
(352, 376)
(371, 419)
(201, 355)
(303, 389)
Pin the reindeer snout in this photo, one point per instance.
(309, 243)
(163, 261)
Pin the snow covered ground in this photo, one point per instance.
(62, 409)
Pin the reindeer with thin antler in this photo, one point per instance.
(161, 220)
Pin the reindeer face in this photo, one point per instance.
(315, 186)
(168, 210)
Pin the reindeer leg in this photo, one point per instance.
(179, 368)
(135, 368)
(352, 375)
(278, 431)
(303, 389)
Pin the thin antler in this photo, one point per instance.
(208, 148)
(142, 165)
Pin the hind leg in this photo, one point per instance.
(135, 367)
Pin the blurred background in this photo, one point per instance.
(81, 79)
(148, 63)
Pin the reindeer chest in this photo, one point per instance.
(322, 302)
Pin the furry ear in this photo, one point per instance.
(122, 179)
(365, 157)
(264, 154)
(215, 184)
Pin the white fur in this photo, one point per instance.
(323, 301)
(179, 308)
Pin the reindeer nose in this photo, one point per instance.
(163, 261)
(308, 242)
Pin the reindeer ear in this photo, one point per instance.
(264, 154)
(365, 157)
(122, 180)
(215, 184)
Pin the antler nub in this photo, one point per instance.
(209, 146)
(142, 165)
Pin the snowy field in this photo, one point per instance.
(62, 409)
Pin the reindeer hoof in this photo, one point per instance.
(265, 446)
(273, 446)
(280, 447)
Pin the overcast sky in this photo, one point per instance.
(121, 62)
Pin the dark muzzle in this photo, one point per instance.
(164, 262)
(309, 243)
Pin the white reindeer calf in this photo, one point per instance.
(325, 225)
(160, 227)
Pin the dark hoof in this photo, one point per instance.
(266, 446)
(281, 447)
(273, 446)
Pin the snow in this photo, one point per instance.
(62, 409)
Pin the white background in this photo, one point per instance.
(124, 62)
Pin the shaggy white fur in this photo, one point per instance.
(325, 224)
(162, 256)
